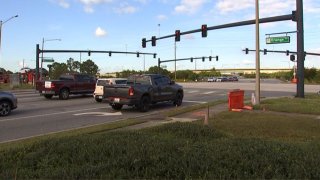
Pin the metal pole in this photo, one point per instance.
(41, 59)
(175, 60)
(37, 62)
(0, 33)
(257, 90)
(300, 49)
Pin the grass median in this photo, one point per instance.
(233, 145)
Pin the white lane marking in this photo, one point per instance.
(209, 92)
(49, 114)
(100, 114)
(199, 102)
(192, 91)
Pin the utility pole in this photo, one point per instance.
(257, 90)
(175, 60)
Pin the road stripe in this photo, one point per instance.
(209, 92)
(199, 102)
(49, 114)
(192, 91)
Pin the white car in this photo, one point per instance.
(212, 79)
(98, 92)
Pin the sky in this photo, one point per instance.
(120, 25)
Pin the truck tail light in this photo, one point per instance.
(52, 85)
(131, 91)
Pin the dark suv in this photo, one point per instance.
(8, 102)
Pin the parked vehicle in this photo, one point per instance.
(8, 102)
(222, 79)
(143, 90)
(67, 84)
(212, 79)
(98, 92)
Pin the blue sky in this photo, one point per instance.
(119, 25)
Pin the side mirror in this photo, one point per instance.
(172, 82)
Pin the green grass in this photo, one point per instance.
(246, 145)
(308, 105)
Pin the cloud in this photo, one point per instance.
(100, 32)
(126, 9)
(266, 7)
(62, 3)
(88, 4)
(189, 6)
(162, 17)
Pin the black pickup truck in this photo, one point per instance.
(143, 90)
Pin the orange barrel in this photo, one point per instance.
(235, 99)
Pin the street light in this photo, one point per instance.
(45, 40)
(2, 22)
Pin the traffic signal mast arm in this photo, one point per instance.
(241, 23)
(275, 51)
(185, 59)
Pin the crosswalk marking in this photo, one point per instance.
(209, 92)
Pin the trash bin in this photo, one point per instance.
(235, 99)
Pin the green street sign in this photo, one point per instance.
(47, 60)
(278, 40)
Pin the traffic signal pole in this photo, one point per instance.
(300, 49)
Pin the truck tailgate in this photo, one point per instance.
(116, 91)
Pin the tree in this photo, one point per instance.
(155, 70)
(57, 69)
(73, 66)
(89, 67)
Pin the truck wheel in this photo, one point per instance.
(144, 104)
(5, 108)
(98, 100)
(64, 94)
(178, 100)
(48, 96)
(116, 106)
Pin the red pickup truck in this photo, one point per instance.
(67, 84)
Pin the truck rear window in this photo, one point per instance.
(139, 80)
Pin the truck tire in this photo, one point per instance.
(116, 106)
(64, 94)
(98, 100)
(178, 99)
(48, 96)
(144, 105)
(5, 108)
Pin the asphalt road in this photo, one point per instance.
(37, 116)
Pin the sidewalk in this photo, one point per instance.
(159, 119)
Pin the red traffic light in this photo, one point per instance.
(204, 30)
(177, 35)
(144, 43)
(153, 41)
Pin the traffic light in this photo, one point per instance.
(144, 42)
(153, 41)
(292, 58)
(203, 59)
(109, 53)
(177, 35)
(191, 60)
(210, 57)
(154, 55)
(89, 53)
(247, 51)
(138, 54)
(217, 58)
(287, 52)
(265, 51)
(204, 30)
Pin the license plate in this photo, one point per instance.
(116, 99)
(99, 97)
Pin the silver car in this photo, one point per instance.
(8, 102)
